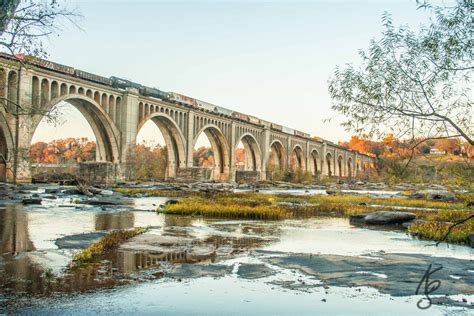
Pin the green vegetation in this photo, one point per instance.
(107, 243)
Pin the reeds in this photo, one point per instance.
(109, 242)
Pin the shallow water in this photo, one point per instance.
(176, 282)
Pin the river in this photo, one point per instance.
(188, 265)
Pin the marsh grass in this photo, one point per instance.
(248, 205)
(109, 242)
(436, 230)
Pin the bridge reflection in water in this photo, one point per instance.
(25, 270)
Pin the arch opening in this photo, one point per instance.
(297, 160)
(167, 142)
(220, 167)
(315, 164)
(349, 168)
(248, 159)
(276, 160)
(329, 171)
(340, 171)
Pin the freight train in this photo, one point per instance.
(173, 97)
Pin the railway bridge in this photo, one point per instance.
(117, 109)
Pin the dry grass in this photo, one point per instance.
(107, 243)
(269, 207)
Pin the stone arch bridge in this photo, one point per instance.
(28, 92)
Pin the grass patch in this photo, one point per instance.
(259, 206)
(109, 242)
(435, 230)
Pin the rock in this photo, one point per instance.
(441, 195)
(79, 241)
(107, 192)
(32, 201)
(417, 195)
(438, 195)
(330, 192)
(407, 224)
(52, 190)
(99, 202)
(360, 183)
(357, 219)
(72, 192)
(50, 197)
(470, 239)
(388, 218)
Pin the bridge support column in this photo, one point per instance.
(232, 170)
(22, 130)
(265, 148)
(128, 128)
(190, 140)
(324, 163)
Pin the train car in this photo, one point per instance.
(182, 99)
(240, 116)
(124, 83)
(206, 106)
(288, 130)
(277, 127)
(298, 133)
(46, 64)
(154, 93)
(91, 77)
(265, 123)
(254, 120)
(223, 111)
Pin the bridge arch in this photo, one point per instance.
(278, 155)
(350, 167)
(106, 133)
(253, 154)
(340, 166)
(6, 147)
(297, 159)
(174, 140)
(315, 163)
(220, 148)
(329, 170)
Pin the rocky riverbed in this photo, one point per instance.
(194, 265)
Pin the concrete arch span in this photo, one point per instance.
(297, 159)
(106, 133)
(221, 150)
(253, 154)
(277, 156)
(315, 163)
(174, 140)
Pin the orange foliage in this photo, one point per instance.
(69, 150)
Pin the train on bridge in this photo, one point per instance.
(173, 97)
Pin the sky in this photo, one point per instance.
(270, 59)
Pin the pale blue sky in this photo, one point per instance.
(271, 59)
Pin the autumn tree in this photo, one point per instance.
(25, 24)
(412, 84)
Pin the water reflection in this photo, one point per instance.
(110, 221)
(14, 231)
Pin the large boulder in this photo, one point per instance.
(388, 218)
(439, 195)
